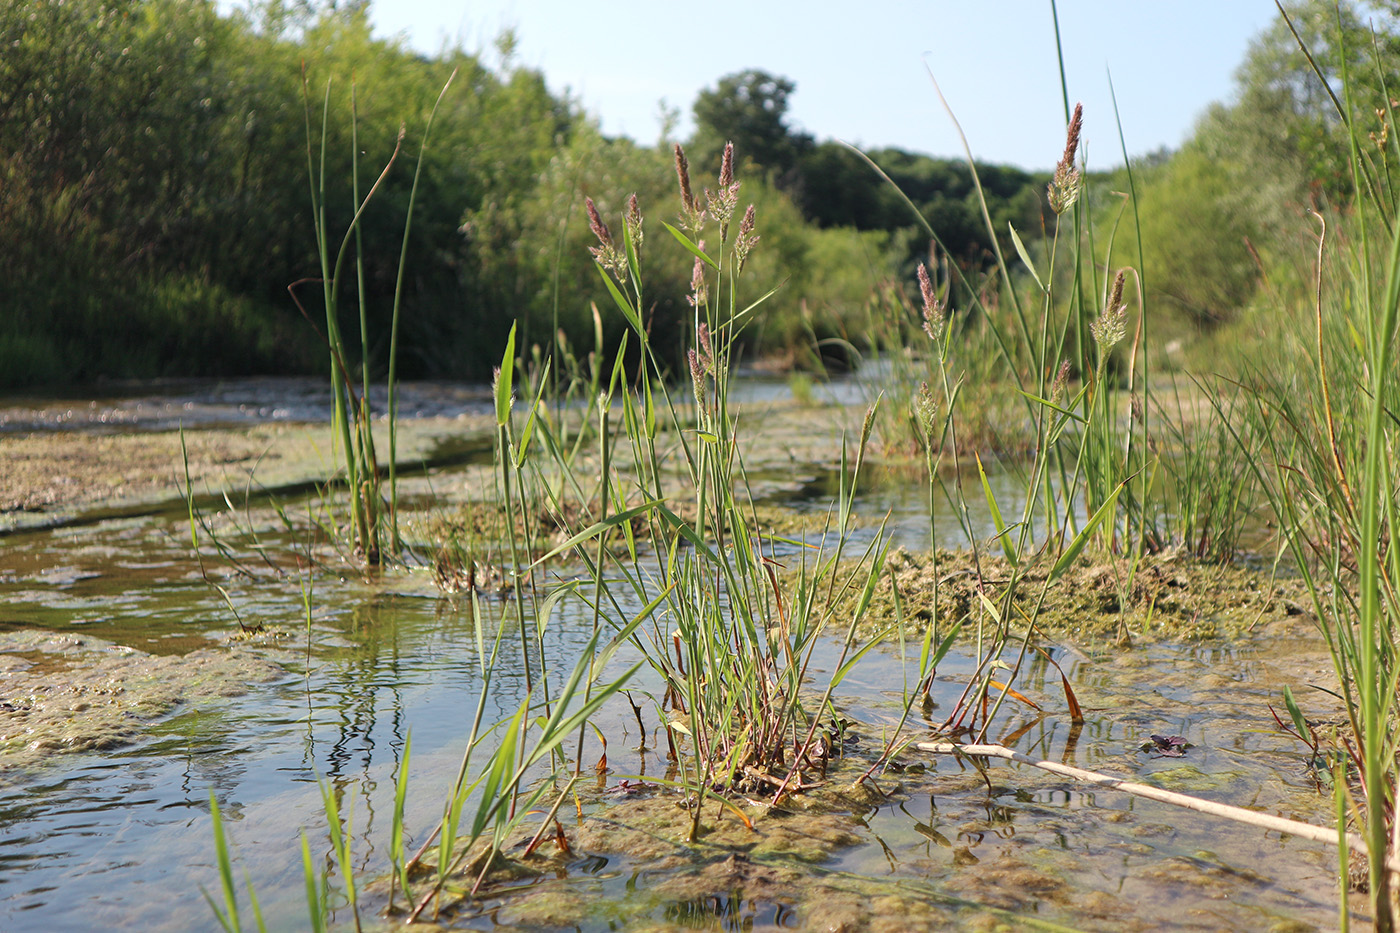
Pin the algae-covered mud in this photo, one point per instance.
(1169, 596)
(71, 693)
(137, 677)
(142, 446)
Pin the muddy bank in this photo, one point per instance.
(67, 693)
(52, 477)
(1166, 597)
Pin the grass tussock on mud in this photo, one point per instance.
(1167, 597)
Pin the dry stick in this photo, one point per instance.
(1238, 814)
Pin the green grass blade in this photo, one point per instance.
(314, 906)
(1085, 533)
(228, 918)
(396, 847)
(612, 521)
(625, 306)
(505, 380)
(694, 250)
(1006, 546)
(1025, 256)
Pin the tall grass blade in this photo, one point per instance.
(228, 916)
(1099, 518)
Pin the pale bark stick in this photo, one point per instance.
(1238, 814)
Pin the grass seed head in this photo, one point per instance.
(697, 384)
(723, 202)
(934, 317)
(606, 252)
(747, 238)
(926, 410)
(595, 223)
(1112, 323)
(1064, 187)
(699, 287)
(692, 217)
(683, 176)
(634, 222)
(1060, 386)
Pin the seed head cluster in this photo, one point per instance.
(1112, 323)
(606, 252)
(1064, 187)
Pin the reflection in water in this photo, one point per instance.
(729, 913)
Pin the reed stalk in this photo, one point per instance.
(352, 417)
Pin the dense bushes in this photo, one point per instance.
(155, 205)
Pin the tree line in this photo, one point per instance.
(155, 199)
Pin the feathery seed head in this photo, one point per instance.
(1064, 187)
(683, 175)
(697, 382)
(934, 316)
(699, 288)
(692, 217)
(1112, 323)
(606, 253)
(926, 410)
(634, 222)
(595, 223)
(747, 238)
(1060, 386)
(723, 201)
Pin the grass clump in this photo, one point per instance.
(731, 640)
(1325, 459)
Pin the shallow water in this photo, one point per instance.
(165, 405)
(122, 839)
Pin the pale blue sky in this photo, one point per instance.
(860, 69)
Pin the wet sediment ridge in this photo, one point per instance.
(55, 480)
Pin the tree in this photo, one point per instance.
(1285, 120)
(749, 109)
(1235, 195)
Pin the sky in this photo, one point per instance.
(862, 67)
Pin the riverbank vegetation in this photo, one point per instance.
(155, 207)
(727, 616)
